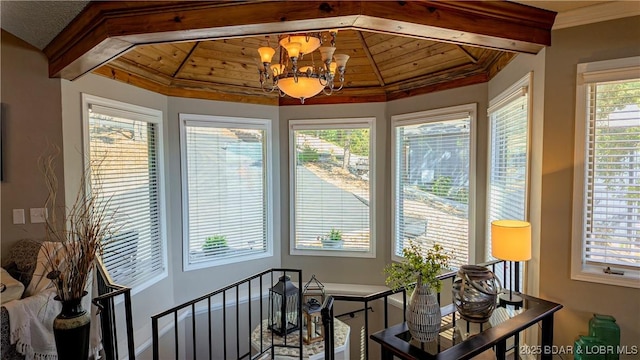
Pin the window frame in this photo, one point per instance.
(142, 114)
(226, 122)
(320, 124)
(424, 117)
(587, 73)
(519, 88)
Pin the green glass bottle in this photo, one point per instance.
(587, 348)
(605, 329)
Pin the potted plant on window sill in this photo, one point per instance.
(333, 240)
(418, 274)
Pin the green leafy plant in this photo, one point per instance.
(405, 273)
(335, 234)
(442, 186)
(308, 154)
(215, 242)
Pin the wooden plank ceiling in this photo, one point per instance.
(383, 65)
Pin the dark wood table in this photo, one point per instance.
(458, 340)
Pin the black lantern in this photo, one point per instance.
(284, 302)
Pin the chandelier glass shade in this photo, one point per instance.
(302, 82)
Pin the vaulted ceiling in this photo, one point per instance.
(209, 49)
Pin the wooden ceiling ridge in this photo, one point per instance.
(202, 49)
(106, 29)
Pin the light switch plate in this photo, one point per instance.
(38, 215)
(18, 216)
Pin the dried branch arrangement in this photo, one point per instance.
(80, 237)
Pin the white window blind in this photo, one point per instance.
(124, 153)
(508, 159)
(611, 228)
(432, 163)
(331, 192)
(225, 190)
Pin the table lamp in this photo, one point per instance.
(511, 241)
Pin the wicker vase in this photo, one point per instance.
(423, 313)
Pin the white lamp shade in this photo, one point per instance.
(326, 52)
(266, 54)
(303, 89)
(511, 240)
(341, 59)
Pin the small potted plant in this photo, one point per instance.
(418, 274)
(214, 243)
(333, 239)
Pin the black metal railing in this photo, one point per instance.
(108, 293)
(448, 309)
(327, 323)
(224, 300)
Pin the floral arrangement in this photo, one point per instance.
(80, 237)
(405, 274)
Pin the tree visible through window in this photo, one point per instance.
(331, 192)
(607, 176)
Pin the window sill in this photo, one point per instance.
(228, 261)
(631, 278)
(333, 252)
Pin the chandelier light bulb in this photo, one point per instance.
(308, 43)
(341, 60)
(293, 49)
(333, 67)
(306, 81)
(327, 52)
(277, 69)
(266, 54)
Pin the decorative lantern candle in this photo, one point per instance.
(284, 302)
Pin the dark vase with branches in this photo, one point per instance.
(72, 249)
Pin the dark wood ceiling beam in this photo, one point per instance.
(104, 30)
(186, 59)
(374, 66)
(467, 54)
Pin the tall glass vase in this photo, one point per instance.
(71, 330)
(423, 313)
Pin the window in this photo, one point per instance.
(508, 156)
(508, 160)
(433, 181)
(606, 222)
(123, 143)
(331, 193)
(225, 178)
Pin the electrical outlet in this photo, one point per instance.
(18, 216)
(38, 215)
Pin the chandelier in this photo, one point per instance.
(289, 77)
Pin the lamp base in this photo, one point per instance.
(509, 299)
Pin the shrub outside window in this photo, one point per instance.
(331, 187)
(226, 201)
